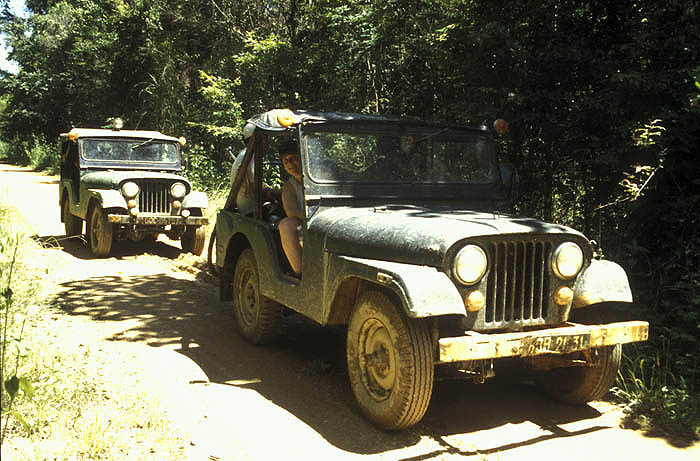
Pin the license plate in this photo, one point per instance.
(558, 344)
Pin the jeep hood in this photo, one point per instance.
(415, 235)
(112, 179)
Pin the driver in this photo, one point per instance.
(293, 203)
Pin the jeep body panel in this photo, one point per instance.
(301, 295)
(414, 234)
(423, 290)
(195, 199)
(602, 281)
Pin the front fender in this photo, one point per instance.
(109, 198)
(424, 291)
(602, 281)
(195, 199)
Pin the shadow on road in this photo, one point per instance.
(77, 247)
(304, 372)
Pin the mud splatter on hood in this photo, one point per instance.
(412, 234)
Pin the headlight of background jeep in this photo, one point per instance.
(130, 189)
(470, 264)
(178, 190)
(567, 260)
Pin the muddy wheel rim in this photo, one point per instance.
(248, 297)
(377, 359)
(95, 229)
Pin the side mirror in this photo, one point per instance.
(511, 181)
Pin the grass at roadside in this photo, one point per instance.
(60, 406)
(655, 400)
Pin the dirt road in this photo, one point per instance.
(290, 400)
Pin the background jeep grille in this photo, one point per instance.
(518, 281)
(154, 196)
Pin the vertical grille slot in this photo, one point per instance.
(518, 286)
(154, 196)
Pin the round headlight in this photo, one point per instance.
(470, 264)
(567, 260)
(178, 190)
(130, 189)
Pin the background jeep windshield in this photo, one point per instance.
(425, 156)
(129, 150)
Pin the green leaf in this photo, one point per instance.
(26, 387)
(21, 419)
(698, 85)
(12, 386)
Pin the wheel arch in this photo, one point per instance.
(234, 248)
(420, 291)
(348, 292)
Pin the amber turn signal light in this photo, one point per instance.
(475, 301)
(563, 296)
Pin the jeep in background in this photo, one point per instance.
(126, 185)
(406, 244)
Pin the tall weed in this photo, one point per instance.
(657, 400)
(16, 293)
(66, 402)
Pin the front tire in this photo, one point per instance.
(257, 317)
(390, 362)
(581, 384)
(99, 232)
(192, 241)
(73, 224)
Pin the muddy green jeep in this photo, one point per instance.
(126, 185)
(404, 243)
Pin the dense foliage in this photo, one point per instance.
(602, 98)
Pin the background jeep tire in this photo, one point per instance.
(99, 232)
(390, 362)
(73, 224)
(579, 385)
(192, 241)
(257, 317)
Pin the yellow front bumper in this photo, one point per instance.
(158, 220)
(560, 340)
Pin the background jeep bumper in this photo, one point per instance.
(561, 340)
(158, 220)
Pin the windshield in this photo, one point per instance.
(130, 150)
(420, 156)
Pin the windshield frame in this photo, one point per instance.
(318, 187)
(142, 163)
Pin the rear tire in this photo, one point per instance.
(99, 233)
(73, 224)
(581, 384)
(257, 317)
(390, 362)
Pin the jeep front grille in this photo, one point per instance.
(518, 282)
(154, 196)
